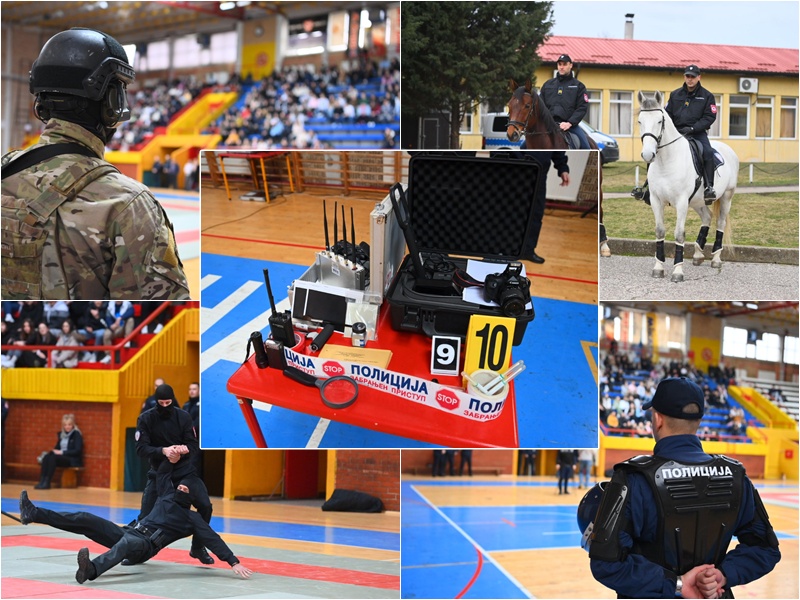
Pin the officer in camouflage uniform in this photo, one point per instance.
(74, 227)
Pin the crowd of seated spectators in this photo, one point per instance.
(623, 391)
(153, 107)
(277, 108)
(62, 323)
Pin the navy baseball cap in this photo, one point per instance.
(564, 58)
(673, 395)
(692, 70)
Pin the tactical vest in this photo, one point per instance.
(699, 507)
(27, 224)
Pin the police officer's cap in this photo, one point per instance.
(692, 70)
(164, 392)
(564, 58)
(80, 62)
(673, 395)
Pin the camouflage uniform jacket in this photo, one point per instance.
(68, 233)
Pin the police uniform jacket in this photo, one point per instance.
(76, 228)
(169, 521)
(636, 577)
(696, 109)
(565, 98)
(153, 434)
(192, 407)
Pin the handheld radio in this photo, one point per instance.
(279, 323)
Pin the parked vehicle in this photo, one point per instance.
(495, 126)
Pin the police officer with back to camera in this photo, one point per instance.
(74, 227)
(664, 522)
(566, 99)
(170, 520)
(160, 432)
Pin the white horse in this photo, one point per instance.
(673, 180)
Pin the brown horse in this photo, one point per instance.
(528, 116)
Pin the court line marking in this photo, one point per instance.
(477, 546)
(474, 575)
(319, 432)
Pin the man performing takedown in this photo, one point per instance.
(171, 519)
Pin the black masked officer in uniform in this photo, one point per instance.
(160, 433)
(665, 521)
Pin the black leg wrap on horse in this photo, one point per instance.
(660, 250)
(702, 237)
(678, 253)
(717, 242)
(603, 237)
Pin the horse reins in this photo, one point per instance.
(661, 133)
(521, 126)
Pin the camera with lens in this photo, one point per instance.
(509, 289)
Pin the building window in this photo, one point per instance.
(466, 123)
(788, 118)
(621, 114)
(715, 131)
(594, 114)
(739, 116)
(764, 116)
(791, 350)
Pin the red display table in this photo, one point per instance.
(254, 159)
(377, 410)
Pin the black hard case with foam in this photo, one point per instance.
(463, 206)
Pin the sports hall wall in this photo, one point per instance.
(501, 462)
(370, 471)
(33, 427)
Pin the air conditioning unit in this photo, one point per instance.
(748, 85)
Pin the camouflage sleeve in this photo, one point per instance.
(146, 262)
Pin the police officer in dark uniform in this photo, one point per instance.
(567, 100)
(665, 521)
(159, 432)
(693, 110)
(170, 519)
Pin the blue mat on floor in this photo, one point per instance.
(556, 395)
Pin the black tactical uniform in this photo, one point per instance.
(169, 520)
(162, 427)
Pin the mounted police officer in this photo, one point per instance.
(665, 521)
(693, 110)
(170, 520)
(567, 100)
(74, 227)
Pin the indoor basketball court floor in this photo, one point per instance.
(509, 537)
(294, 549)
(183, 210)
(556, 395)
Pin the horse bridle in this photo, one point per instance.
(660, 133)
(522, 126)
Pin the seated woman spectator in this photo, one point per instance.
(66, 359)
(68, 452)
(40, 337)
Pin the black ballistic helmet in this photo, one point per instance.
(587, 511)
(80, 62)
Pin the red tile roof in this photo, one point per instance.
(670, 55)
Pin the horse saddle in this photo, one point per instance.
(697, 156)
(573, 141)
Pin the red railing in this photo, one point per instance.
(114, 350)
